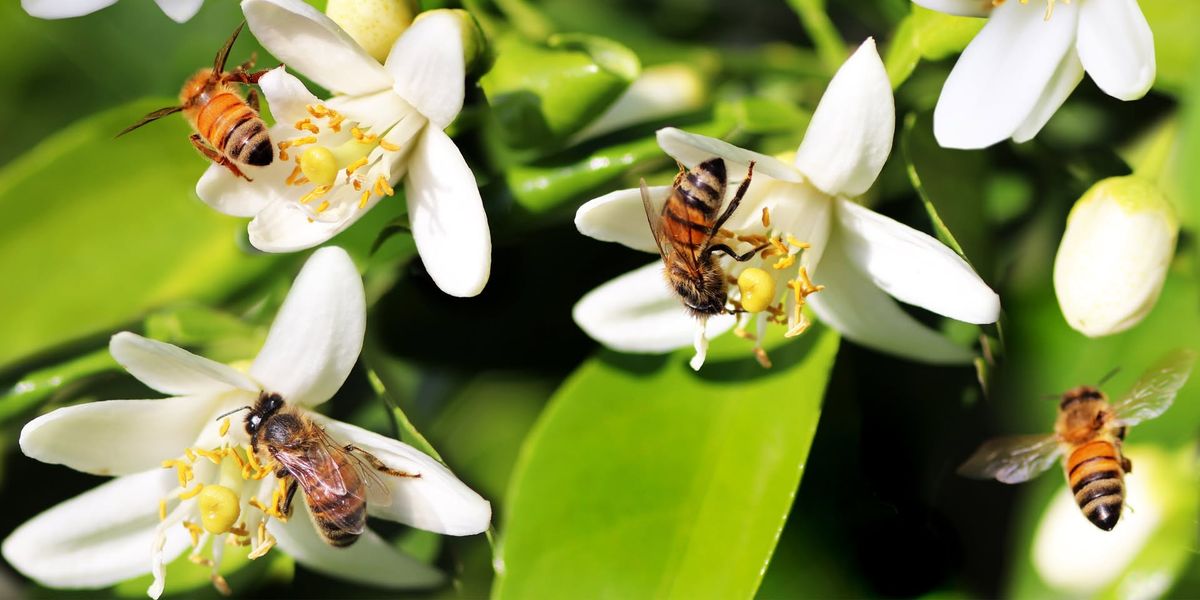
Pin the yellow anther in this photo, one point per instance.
(758, 289)
(225, 426)
(191, 456)
(356, 165)
(220, 584)
(162, 510)
(306, 124)
(785, 262)
(357, 185)
(200, 560)
(317, 110)
(317, 192)
(262, 548)
(195, 531)
(219, 508)
(802, 286)
(256, 504)
(262, 472)
(304, 141)
(319, 165)
(213, 456)
(386, 145)
(362, 201)
(335, 121)
(182, 476)
(382, 188)
(766, 217)
(169, 463)
(283, 146)
(797, 243)
(240, 530)
(187, 494)
(760, 354)
(323, 206)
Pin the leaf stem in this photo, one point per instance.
(828, 42)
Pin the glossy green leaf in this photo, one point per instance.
(1176, 46)
(926, 35)
(34, 388)
(645, 479)
(542, 94)
(98, 230)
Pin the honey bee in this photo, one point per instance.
(336, 483)
(684, 230)
(1088, 432)
(228, 130)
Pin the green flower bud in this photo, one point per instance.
(374, 24)
(1114, 255)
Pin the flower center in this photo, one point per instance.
(325, 153)
(218, 503)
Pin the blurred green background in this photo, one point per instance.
(831, 475)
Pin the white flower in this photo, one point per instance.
(212, 493)
(863, 257)
(179, 10)
(1030, 56)
(339, 158)
(1114, 255)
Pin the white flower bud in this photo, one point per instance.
(374, 24)
(1114, 255)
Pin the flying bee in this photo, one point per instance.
(228, 130)
(1088, 432)
(684, 230)
(336, 483)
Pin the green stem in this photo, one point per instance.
(828, 42)
(1152, 158)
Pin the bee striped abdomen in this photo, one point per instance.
(326, 513)
(1097, 480)
(234, 129)
(692, 207)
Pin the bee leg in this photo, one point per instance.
(216, 157)
(729, 252)
(286, 507)
(377, 464)
(252, 99)
(249, 64)
(1126, 465)
(733, 204)
(240, 76)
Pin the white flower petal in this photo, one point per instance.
(796, 209)
(1117, 47)
(231, 195)
(1003, 73)
(446, 214)
(173, 370)
(63, 9)
(287, 96)
(700, 345)
(1066, 78)
(436, 501)
(914, 267)
(369, 560)
(286, 227)
(428, 67)
(850, 135)
(98, 538)
(865, 315)
(619, 217)
(180, 10)
(691, 149)
(962, 8)
(309, 42)
(318, 333)
(378, 111)
(637, 312)
(118, 437)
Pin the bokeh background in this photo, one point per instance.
(831, 475)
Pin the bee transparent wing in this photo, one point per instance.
(654, 219)
(319, 474)
(153, 116)
(1156, 389)
(1012, 459)
(223, 54)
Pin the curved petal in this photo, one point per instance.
(309, 42)
(286, 227)
(63, 9)
(691, 149)
(637, 312)
(914, 267)
(962, 8)
(851, 304)
(427, 65)
(436, 501)
(231, 195)
(318, 333)
(118, 437)
(98, 538)
(286, 95)
(1066, 78)
(850, 136)
(173, 370)
(1003, 73)
(446, 214)
(1117, 47)
(180, 10)
(619, 217)
(369, 560)
(796, 209)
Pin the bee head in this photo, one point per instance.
(1082, 393)
(267, 405)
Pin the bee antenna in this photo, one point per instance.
(223, 415)
(1108, 376)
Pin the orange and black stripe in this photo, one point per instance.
(692, 207)
(333, 512)
(1097, 480)
(234, 129)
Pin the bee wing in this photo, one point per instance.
(1156, 389)
(153, 116)
(1012, 459)
(319, 475)
(654, 219)
(223, 53)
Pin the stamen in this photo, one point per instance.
(317, 192)
(195, 531)
(191, 456)
(785, 262)
(200, 560)
(317, 110)
(225, 427)
(335, 121)
(188, 494)
(766, 218)
(323, 206)
(306, 124)
(797, 243)
(382, 188)
(162, 510)
(221, 585)
(803, 287)
(357, 185)
(386, 145)
(354, 166)
(213, 456)
(362, 202)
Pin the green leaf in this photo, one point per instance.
(99, 230)
(1176, 46)
(645, 479)
(34, 388)
(927, 35)
(540, 95)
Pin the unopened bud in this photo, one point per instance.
(1114, 255)
(374, 24)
